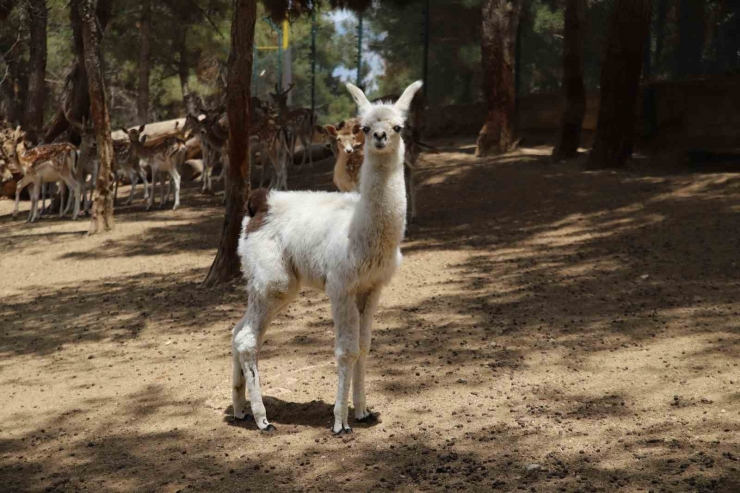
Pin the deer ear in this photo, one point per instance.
(356, 129)
(124, 130)
(319, 129)
(331, 130)
(141, 128)
(404, 102)
(359, 97)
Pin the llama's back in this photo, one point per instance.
(300, 231)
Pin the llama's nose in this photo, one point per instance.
(379, 135)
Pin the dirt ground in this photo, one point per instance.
(550, 330)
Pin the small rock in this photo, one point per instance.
(533, 468)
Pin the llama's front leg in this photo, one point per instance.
(366, 304)
(347, 351)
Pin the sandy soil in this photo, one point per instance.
(550, 330)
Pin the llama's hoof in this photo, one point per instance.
(370, 419)
(269, 430)
(175, 207)
(342, 432)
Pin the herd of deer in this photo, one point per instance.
(276, 135)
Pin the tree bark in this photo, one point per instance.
(76, 89)
(11, 107)
(102, 212)
(183, 71)
(575, 91)
(660, 18)
(690, 39)
(620, 84)
(143, 96)
(500, 21)
(34, 117)
(226, 264)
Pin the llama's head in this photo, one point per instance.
(381, 122)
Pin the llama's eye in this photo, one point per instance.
(366, 129)
(397, 129)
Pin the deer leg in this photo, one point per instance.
(62, 193)
(175, 177)
(154, 187)
(44, 189)
(34, 203)
(25, 181)
(142, 175)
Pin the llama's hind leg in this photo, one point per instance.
(246, 344)
(366, 304)
(347, 351)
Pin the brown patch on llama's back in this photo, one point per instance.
(257, 208)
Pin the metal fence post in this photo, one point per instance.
(359, 51)
(313, 61)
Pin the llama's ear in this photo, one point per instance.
(358, 96)
(404, 102)
(331, 130)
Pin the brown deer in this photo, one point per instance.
(348, 141)
(166, 156)
(298, 124)
(48, 163)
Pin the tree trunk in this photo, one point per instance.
(690, 39)
(76, 89)
(660, 18)
(575, 91)
(620, 84)
(226, 264)
(34, 117)
(183, 71)
(11, 107)
(500, 20)
(102, 212)
(143, 96)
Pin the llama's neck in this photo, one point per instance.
(380, 217)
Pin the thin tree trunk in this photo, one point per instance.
(34, 117)
(226, 264)
(102, 212)
(661, 13)
(76, 89)
(143, 96)
(690, 39)
(575, 91)
(11, 44)
(183, 71)
(500, 20)
(620, 83)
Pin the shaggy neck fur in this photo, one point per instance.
(380, 217)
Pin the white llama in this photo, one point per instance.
(344, 243)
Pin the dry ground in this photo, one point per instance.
(550, 330)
